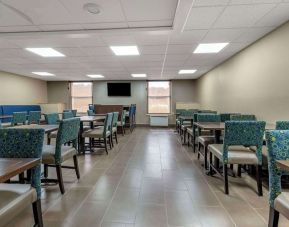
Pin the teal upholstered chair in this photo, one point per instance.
(34, 117)
(51, 119)
(243, 117)
(90, 112)
(14, 198)
(19, 118)
(114, 127)
(102, 134)
(74, 112)
(67, 115)
(205, 140)
(239, 136)
(179, 112)
(227, 116)
(54, 156)
(278, 149)
(282, 125)
(121, 123)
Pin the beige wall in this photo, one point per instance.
(58, 92)
(16, 89)
(182, 91)
(254, 81)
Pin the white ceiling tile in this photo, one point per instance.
(222, 35)
(60, 27)
(181, 49)
(155, 49)
(106, 25)
(187, 37)
(242, 15)
(40, 11)
(111, 11)
(97, 51)
(203, 17)
(150, 23)
(139, 10)
(211, 2)
(118, 40)
(147, 39)
(233, 2)
(275, 17)
(252, 34)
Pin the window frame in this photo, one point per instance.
(170, 96)
(71, 97)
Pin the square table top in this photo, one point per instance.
(47, 128)
(10, 167)
(221, 125)
(186, 117)
(283, 164)
(92, 118)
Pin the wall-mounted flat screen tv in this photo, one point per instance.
(118, 89)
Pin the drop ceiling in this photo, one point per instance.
(165, 31)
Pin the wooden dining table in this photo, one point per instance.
(47, 128)
(11, 167)
(218, 127)
(90, 120)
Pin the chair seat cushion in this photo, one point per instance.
(52, 135)
(48, 154)
(114, 129)
(264, 150)
(190, 130)
(14, 198)
(281, 204)
(236, 154)
(184, 127)
(119, 123)
(206, 140)
(95, 133)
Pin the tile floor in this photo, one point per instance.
(149, 179)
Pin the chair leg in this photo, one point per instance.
(75, 161)
(45, 171)
(122, 130)
(60, 179)
(37, 213)
(205, 157)
(211, 163)
(185, 136)
(111, 139)
(116, 137)
(105, 145)
(225, 172)
(110, 144)
(273, 217)
(48, 140)
(239, 173)
(259, 180)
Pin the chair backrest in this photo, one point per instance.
(74, 112)
(67, 115)
(227, 116)
(107, 123)
(68, 131)
(123, 115)
(278, 149)
(243, 117)
(23, 143)
(246, 133)
(52, 118)
(90, 112)
(19, 118)
(34, 117)
(208, 117)
(115, 118)
(282, 125)
(0, 124)
(208, 111)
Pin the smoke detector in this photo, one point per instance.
(92, 8)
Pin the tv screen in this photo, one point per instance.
(118, 89)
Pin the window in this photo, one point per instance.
(81, 96)
(159, 97)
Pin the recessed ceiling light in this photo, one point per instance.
(139, 75)
(206, 48)
(124, 50)
(46, 52)
(187, 71)
(92, 8)
(95, 76)
(43, 74)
